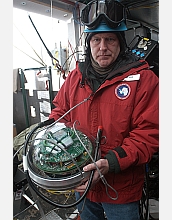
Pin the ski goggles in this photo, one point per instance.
(111, 11)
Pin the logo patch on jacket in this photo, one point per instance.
(122, 91)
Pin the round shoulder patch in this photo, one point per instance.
(122, 91)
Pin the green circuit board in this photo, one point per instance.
(62, 151)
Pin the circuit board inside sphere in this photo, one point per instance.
(62, 151)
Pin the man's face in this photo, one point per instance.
(105, 48)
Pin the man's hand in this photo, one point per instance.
(103, 166)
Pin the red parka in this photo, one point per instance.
(127, 107)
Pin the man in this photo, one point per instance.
(122, 97)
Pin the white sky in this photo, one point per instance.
(27, 41)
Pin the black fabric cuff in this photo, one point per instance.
(113, 162)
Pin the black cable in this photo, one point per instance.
(54, 203)
(49, 53)
(69, 57)
(35, 188)
(40, 125)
